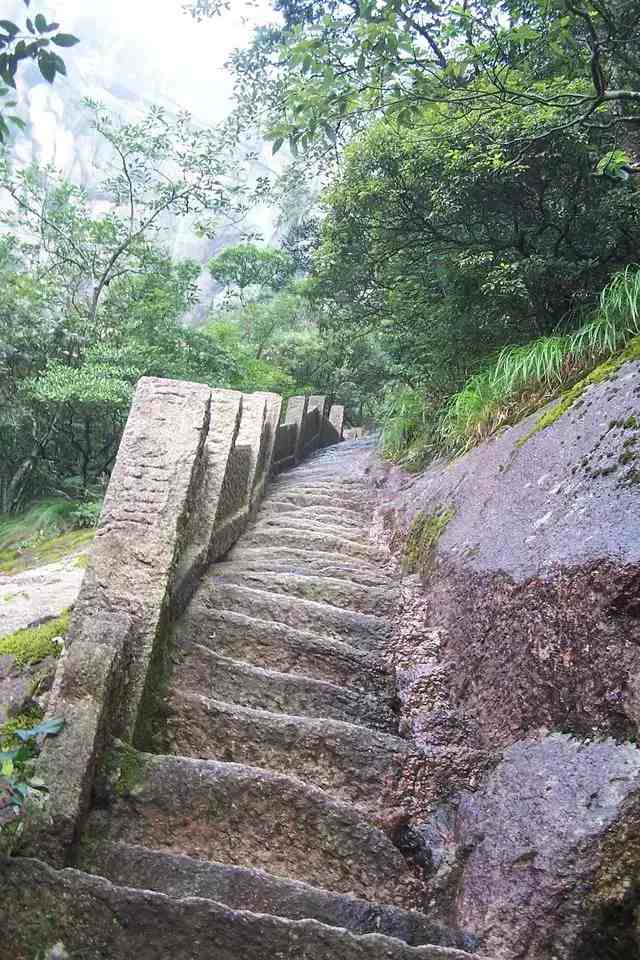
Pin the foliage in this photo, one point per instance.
(524, 378)
(402, 415)
(22, 44)
(246, 267)
(17, 781)
(90, 302)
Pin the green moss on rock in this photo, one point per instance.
(601, 373)
(125, 767)
(424, 533)
(33, 644)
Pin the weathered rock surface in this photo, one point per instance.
(524, 626)
(551, 851)
(92, 919)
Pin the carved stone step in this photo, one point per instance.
(315, 566)
(93, 917)
(202, 671)
(298, 497)
(308, 555)
(339, 593)
(242, 888)
(358, 629)
(317, 540)
(336, 492)
(276, 646)
(343, 518)
(254, 818)
(277, 522)
(349, 762)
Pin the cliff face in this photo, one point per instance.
(518, 663)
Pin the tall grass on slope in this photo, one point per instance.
(405, 425)
(524, 378)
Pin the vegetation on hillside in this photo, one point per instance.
(460, 187)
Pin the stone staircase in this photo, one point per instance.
(278, 731)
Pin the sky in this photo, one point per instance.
(152, 47)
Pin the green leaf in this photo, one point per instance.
(49, 728)
(9, 27)
(276, 145)
(41, 23)
(47, 66)
(65, 40)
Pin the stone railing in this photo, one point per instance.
(191, 471)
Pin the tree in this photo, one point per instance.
(335, 65)
(160, 167)
(248, 271)
(453, 251)
(19, 45)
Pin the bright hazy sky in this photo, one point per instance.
(153, 47)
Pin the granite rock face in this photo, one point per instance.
(548, 851)
(521, 625)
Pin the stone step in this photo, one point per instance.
(341, 593)
(350, 762)
(309, 555)
(276, 646)
(277, 522)
(358, 629)
(259, 892)
(335, 492)
(199, 669)
(252, 817)
(272, 510)
(91, 917)
(315, 540)
(355, 572)
(298, 497)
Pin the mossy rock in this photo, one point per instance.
(568, 400)
(33, 644)
(424, 533)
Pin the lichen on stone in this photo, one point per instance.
(424, 533)
(32, 644)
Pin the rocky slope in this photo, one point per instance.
(518, 663)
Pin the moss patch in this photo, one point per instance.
(33, 644)
(125, 768)
(15, 560)
(603, 372)
(424, 533)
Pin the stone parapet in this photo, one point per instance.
(191, 471)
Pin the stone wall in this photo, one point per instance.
(191, 471)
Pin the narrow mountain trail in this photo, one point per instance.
(279, 733)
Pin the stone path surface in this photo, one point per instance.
(279, 732)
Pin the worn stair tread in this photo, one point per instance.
(206, 672)
(316, 540)
(335, 491)
(267, 643)
(360, 629)
(346, 760)
(327, 511)
(252, 817)
(278, 523)
(241, 888)
(338, 592)
(91, 916)
(355, 573)
(308, 499)
(306, 553)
